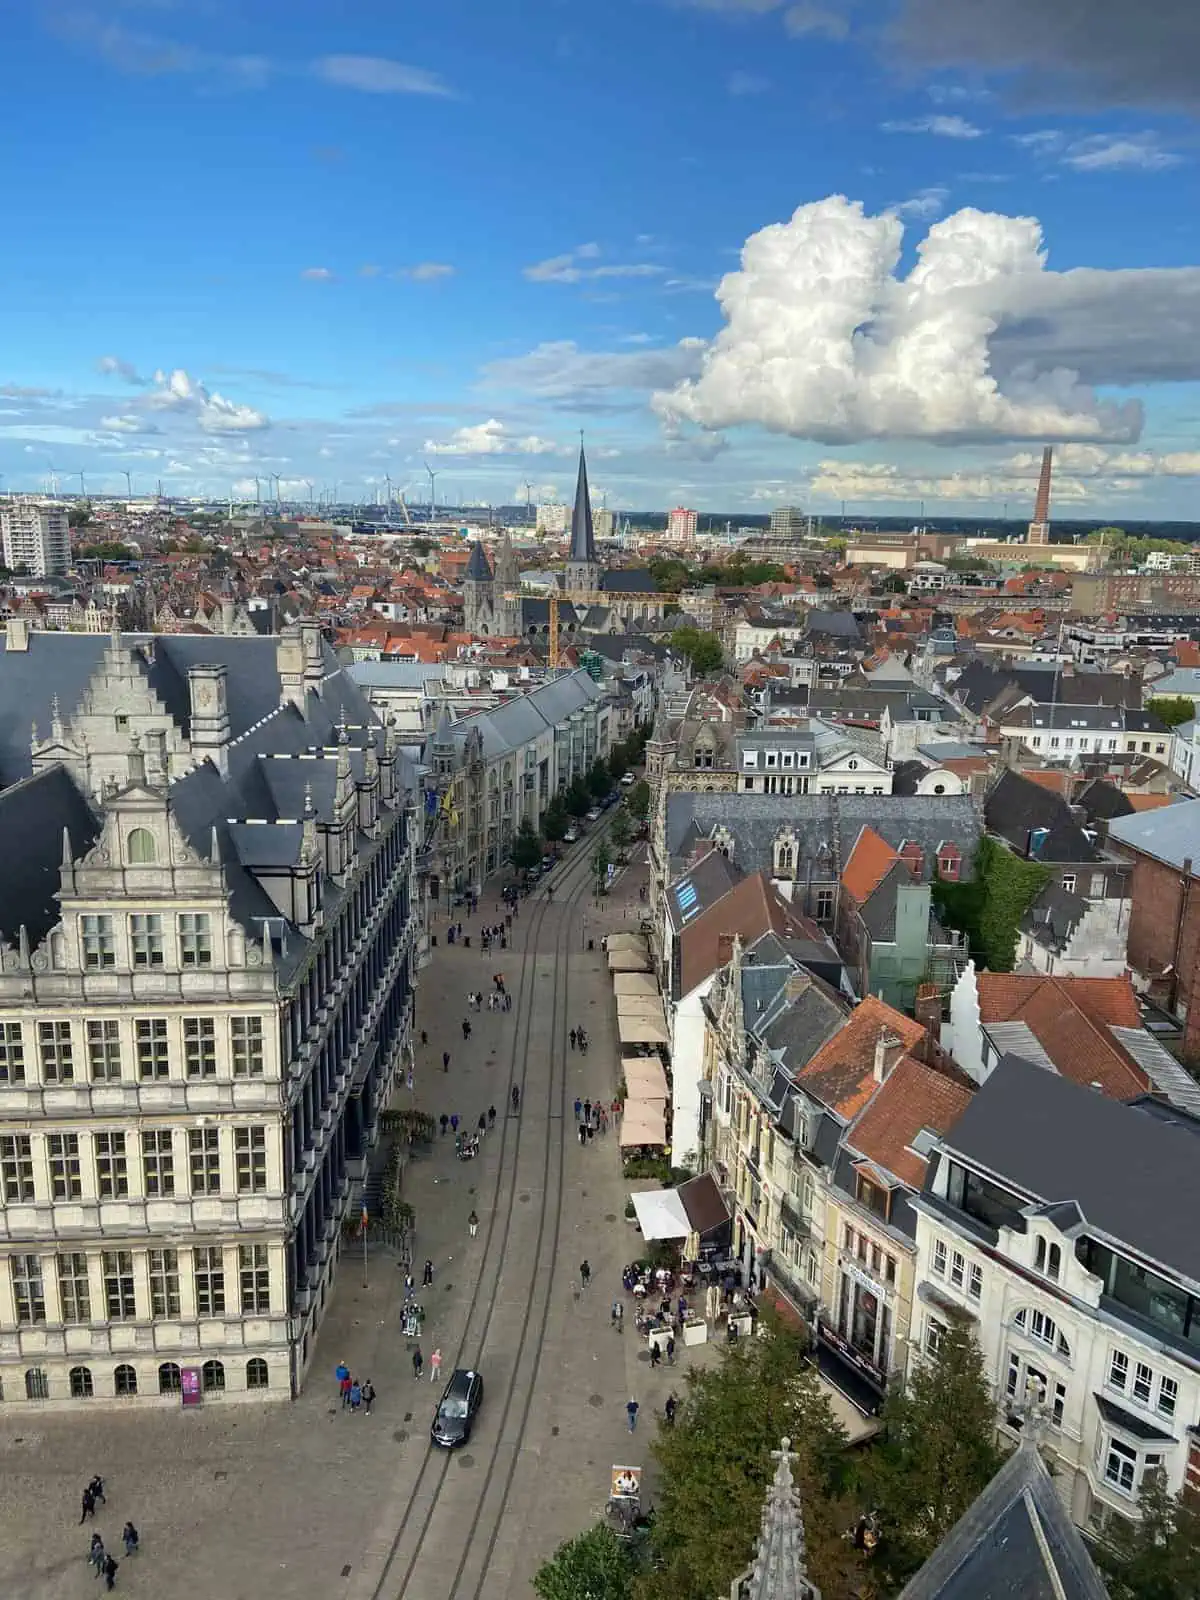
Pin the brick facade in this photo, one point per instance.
(1164, 932)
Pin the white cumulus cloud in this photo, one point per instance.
(178, 391)
(492, 438)
(825, 340)
(127, 424)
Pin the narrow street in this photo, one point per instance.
(231, 1499)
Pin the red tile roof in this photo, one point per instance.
(842, 1073)
(870, 860)
(911, 1097)
(751, 908)
(1071, 1018)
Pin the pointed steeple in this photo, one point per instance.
(583, 538)
(478, 570)
(780, 1570)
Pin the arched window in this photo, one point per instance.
(125, 1379)
(1054, 1262)
(212, 1377)
(139, 847)
(1044, 1329)
(257, 1375)
(1039, 1255)
(81, 1383)
(169, 1381)
(37, 1385)
(785, 861)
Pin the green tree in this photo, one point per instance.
(703, 650)
(989, 908)
(622, 830)
(598, 779)
(618, 765)
(1171, 709)
(639, 800)
(525, 852)
(1158, 1556)
(578, 798)
(555, 819)
(601, 861)
(79, 516)
(595, 1565)
(936, 1454)
(717, 1461)
(669, 574)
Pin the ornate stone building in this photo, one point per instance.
(206, 944)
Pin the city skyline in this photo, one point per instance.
(799, 253)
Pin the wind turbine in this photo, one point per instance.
(278, 501)
(387, 478)
(82, 487)
(310, 492)
(53, 477)
(432, 491)
(257, 491)
(129, 485)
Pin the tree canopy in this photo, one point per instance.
(595, 1565)
(598, 779)
(717, 1461)
(936, 1454)
(525, 851)
(1156, 1557)
(555, 819)
(578, 798)
(638, 799)
(1171, 709)
(703, 650)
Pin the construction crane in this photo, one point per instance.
(593, 597)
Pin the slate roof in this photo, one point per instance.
(1106, 718)
(1055, 1140)
(825, 825)
(833, 624)
(1103, 800)
(1015, 806)
(628, 580)
(33, 814)
(1014, 1542)
(1169, 833)
(707, 882)
(478, 570)
(583, 538)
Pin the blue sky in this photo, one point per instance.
(851, 251)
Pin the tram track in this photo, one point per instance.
(399, 1577)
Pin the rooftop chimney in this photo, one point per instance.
(885, 1042)
(208, 686)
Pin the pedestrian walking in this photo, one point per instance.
(427, 1278)
(587, 1113)
(409, 1285)
(582, 1135)
(418, 1361)
(466, 1029)
(572, 1037)
(355, 1395)
(482, 1123)
(435, 1366)
(97, 1488)
(602, 1119)
(578, 1109)
(588, 1132)
(631, 1411)
(585, 1272)
(130, 1536)
(110, 1572)
(655, 1355)
(445, 1122)
(516, 1099)
(89, 1506)
(670, 1349)
(346, 1385)
(669, 1410)
(472, 1225)
(424, 1038)
(491, 1116)
(614, 1316)
(507, 1001)
(445, 1061)
(341, 1372)
(454, 1123)
(368, 1396)
(96, 1554)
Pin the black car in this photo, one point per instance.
(457, 1409)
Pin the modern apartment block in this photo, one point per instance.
(36, 537)
(1061, 1224)
(206, 943)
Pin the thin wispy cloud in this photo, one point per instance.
(747, 83)
(1100, 152)
(567, 268)
(379, 75)
(941, 127)
(318, 275)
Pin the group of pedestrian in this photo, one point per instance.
(579, 1040)
(355, 1396)
(590, 1119)
(101, 1559)
(418, 1364)
(495, 934)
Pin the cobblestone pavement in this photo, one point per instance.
(234, 1502)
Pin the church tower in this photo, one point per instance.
(583, 570)
(506, 594)
(478, 599)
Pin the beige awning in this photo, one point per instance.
(641, 1030)
(645, 1079)
(634, 983)
(640, 1005)
(628, 961)
(643, 1123)
(628, 941)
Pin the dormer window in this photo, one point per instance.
(1047, 1258)
(139, 848)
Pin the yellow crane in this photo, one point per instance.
(594, 597)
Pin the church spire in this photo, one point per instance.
(583, 539)
(780, 1570)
